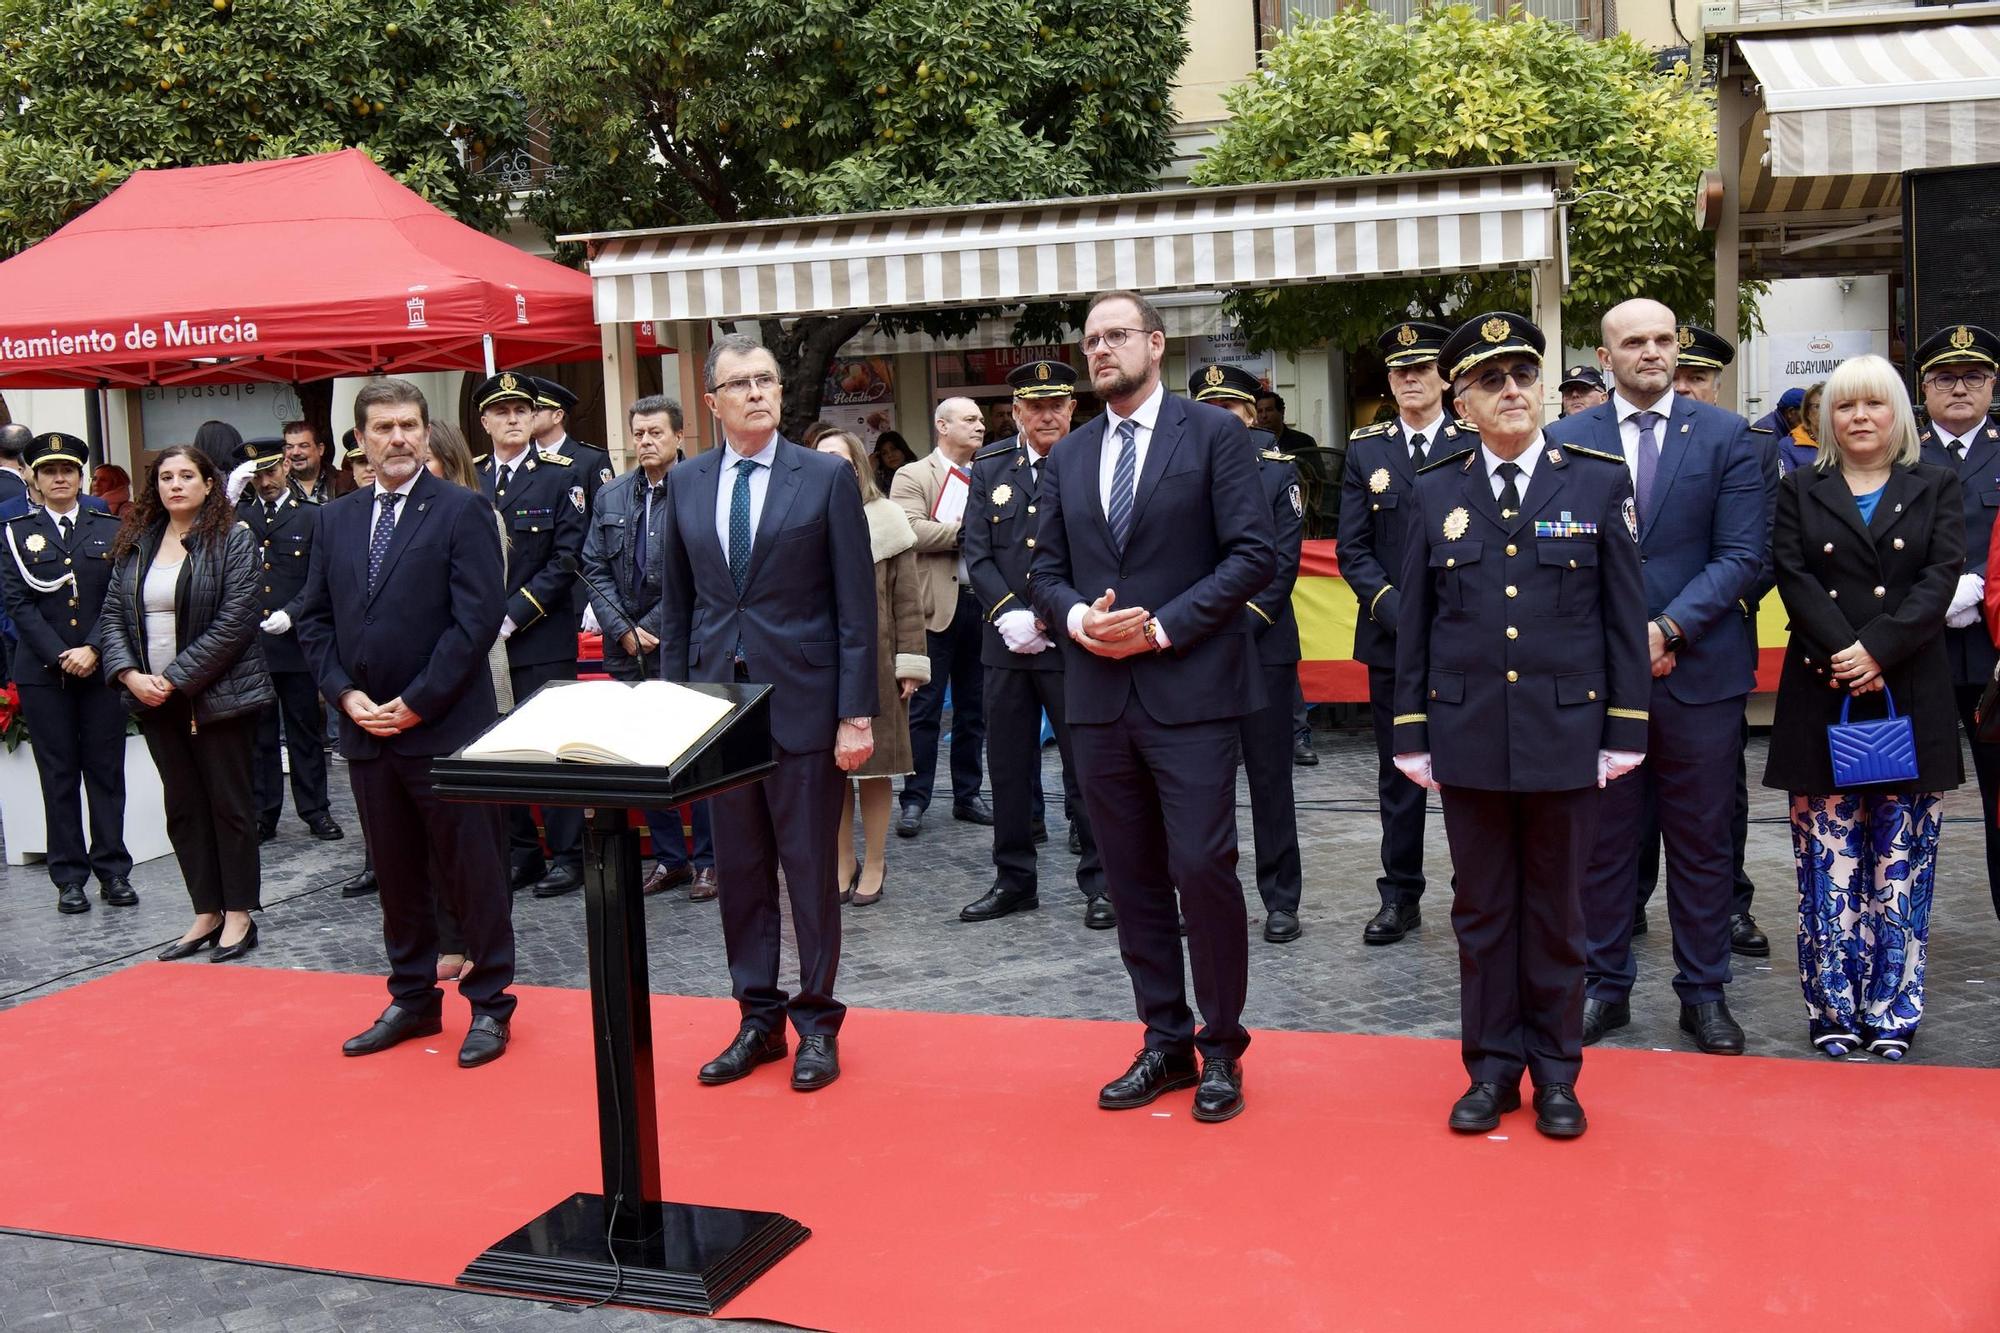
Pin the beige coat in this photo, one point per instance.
(899, 651)
(915, 491)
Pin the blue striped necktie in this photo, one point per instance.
(1122, 475)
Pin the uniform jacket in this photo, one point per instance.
(1200, 546)
(49, 624)
(1970, 650)
(424, 633)
(1374, 491)
(220, 665)
(1703, 540)
(806, 615)
(1886, 584)
(593, 465)
(544, 516)
(621, 597)
(284, 548)
(1521, 649)
(1272, 623)
(1002, 519)
(915, 490)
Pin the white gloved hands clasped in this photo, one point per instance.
(1020, 633)
(1967, 601)
(1417, 768)
(1615, 764)
(276, 623)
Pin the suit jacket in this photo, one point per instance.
(622, 598)
(916, 489)
(49, 624)
(544, 517)
(1374, 490)
(1002, 518)
(805, 619)
(424, 633)
(1702, 541)
(284, 553)
(1272, 623)
(1970, 650)
(1886, 583)
(1519, 655)
(1201, 545)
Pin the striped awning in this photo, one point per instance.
(1171, 240)
(1870, 101)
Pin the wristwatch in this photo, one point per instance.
(855, 721)
(1153, 634)
(1675, 639)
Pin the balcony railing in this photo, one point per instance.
(1586, 16)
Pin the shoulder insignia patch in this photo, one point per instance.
(1436, 463)
(576, 497)
(1594, 453)
(1463, 424)
(1379, 428)
(551, 456)
(604, 474)
(1298, 501)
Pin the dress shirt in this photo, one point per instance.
(504, 472)
(401, 509)
(1525, 460)
(1143, 418)
(1431, 431)
(760, 482)
(1958, 446)
(1628, 428)
(69, 516)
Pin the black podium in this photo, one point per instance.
(628, 1244)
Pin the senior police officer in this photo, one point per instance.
(1382, 465)
(1956, 367)
(1023, 666)
(1521, 685)
(281, 519)
(541, 500)
(53, 574)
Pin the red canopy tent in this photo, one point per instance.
(291, 270)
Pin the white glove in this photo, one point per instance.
(1967, 602)
(1020, 633)
(1615, 764)
(590, 625)
(276, 623)
(1417, 768)
(507, 628)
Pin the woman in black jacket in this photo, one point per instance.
(1868, 545)
(180, 634)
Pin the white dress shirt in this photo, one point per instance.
(1143, 417)
(1430, 432)
(403, 490)
(1526, 462)
(1958, 446)
(1628, 428)
(760, 482)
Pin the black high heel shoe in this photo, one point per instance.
(189, 948)
(228, 953)
(854, 881)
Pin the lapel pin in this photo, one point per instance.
(1684, 428)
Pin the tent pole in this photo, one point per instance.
(486, 343)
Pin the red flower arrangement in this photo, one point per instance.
(12, 729)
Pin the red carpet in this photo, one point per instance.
(960, 1177)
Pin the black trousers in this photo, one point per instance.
(1015, 702)
(1986, 765)
(79, 743)
(423, 848)
(298, 703)
(564, 824)
(1163, 802)
(1401, 800)
(1742, 890)
(1517, 912)
(670, 846)
(1267, 764)
(211, 810)
(954, 661)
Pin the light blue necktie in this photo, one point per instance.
(739, 526)
(1121, 482)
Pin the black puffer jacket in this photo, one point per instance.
(220, 665)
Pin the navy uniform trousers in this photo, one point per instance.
(298, 703)
(1267, 767)
(1015, 701)
(79, 731)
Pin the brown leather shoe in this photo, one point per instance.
(704, 886)
(663, 879)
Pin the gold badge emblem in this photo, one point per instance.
(508, 383)
(1406, 336)
(1378, 480)
(1555, 457)
(36, 541)
(1961, 338)
(1495, 330)
(1214, 375)
(1686, 336)
(52, 442)
(1002, 493)
(1041, 370)
(1455, 524)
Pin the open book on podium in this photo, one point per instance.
(650, 723)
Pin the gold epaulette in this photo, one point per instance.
(1275, 456)
(998, 451)
(1440, 462)
(551, 456)
(1379, 428)
(1762, 430)
(479, 460)
(1594, 453)
(1463, 424)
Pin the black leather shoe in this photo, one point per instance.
(1602, 1016)
(998, 902)
(1715, 1029)
(325, 829)
(1391, 924)
(752, 1047)
(118, 892)
(974, 811)
(817, 1063)
(1219, 1096)
(485, 1042)
(1099, 915)
(561, 880)
(1478, 1111)
(523, 874)
(71, 899)
(395, 1025)
(1152, 1073)
(189, 948)
(908, 820)
(1558, 1113)
(1075, 840)
(1303, 754)
(360, 886)
(1281, 927)
(1039, 830)
(229, 953)
(1746, 939)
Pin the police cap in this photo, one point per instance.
(549, 394)
(1582, 377)
(1483, 337)
(1704, 349)
(1958, 344)
(1043, 379)
(1411, 343)
(56, 447)
(504, 387)
(1223, 384)
(263, 452)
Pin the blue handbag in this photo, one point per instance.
(1868, 753)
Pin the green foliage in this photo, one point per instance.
(1358, 95)
(106, 87)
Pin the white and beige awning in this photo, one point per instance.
(1171, 240)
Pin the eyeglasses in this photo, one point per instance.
(761, 383)
(1494, 379)
(1975, 380)
(1110, 338)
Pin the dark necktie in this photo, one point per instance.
(1123, 474)
(270, 514)
(378, 541)
(63, 529)
(641, 548)
(739, 526)
(503, 475)
(1510, 494)
(1957, 449)
(1649, 461)
(1417, 451)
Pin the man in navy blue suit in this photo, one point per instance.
(1704, 513)
(767, 576)
(1155, 534)
(402, 603)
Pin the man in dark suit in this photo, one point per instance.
(1382, 465)
(767, 576)
(542, 501)
(1024, 676)
(1154, 535)
(1704, 510)
(1521, 681)
(403, 600)
(53, 573)
(283, 523)
(1956, 367)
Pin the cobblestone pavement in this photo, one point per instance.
(911, 952)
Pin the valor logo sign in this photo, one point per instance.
(415, 306)
(520, 308)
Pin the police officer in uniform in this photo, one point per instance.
(553, 406)
(1382, 465)
(1522, 682)
(541, 500)
(1023, 666)
(282, 522)
(53, 574)
(1267, 732)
